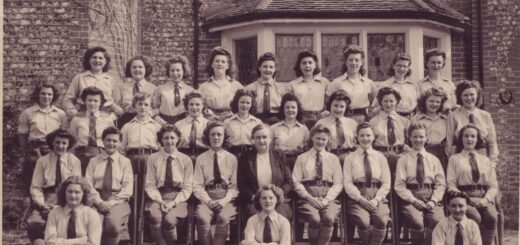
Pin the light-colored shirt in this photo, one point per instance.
(276, 91)
(122, 177)
(435, 127)
(203, 175)
(348, 125)
(446, 230)
(406, 173)
(219, 94)
(264, 171)
(125, 95)
(380, 125)
(84, 80)
(443, 84)
(182, 175)
(38, 122)
(164, 98)
(79, 127)
(361, 92)
(44, 174)
(305, 170)
(280, 229)
(289, 137)
(354, 171)
(459, 173)
(185, 126)
(240, 130)
(88, 223)
(310, 93)
(140, 134)
(408, 90)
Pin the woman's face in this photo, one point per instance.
(268, 200)
(137, 70)
(93, 103)
(469, 97)
(111, 142)
(262, 140)
(388, 103)
(244, 103)
(307, 66)
(365, 137)
(401, 67)
(60, 145)
(73, 195)
(45, 96)
(338, 108)
(354, 63)
(435, 63)
(469, 138)
(220, 64)
(433, 104)
(216, 137)
(176, 72)
(290, 110)
(97, 61)
(267, 69)
(319, 141)
(418, 138)
(195, 107)
(169, 141)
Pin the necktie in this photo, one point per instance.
(391, 132)
(471, 118)
(106, 190)
(217, 178)
(136, 87)
(168, 178)
(340, 133)
(267, 99)
(177, 95)
(319, 166)
(475, 174)
(58, 173)
(458, 236)
(420, 169)
(92, 131)
(368, 169)
(268, 237)
(193, 134)
(71, 226)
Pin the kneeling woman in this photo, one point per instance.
(268, 226)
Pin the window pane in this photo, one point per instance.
(287, 49)
(430, 43)
(332, 46)
(246, 53)
(382, 48)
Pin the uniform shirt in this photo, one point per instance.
(305, 170)
(125, 96)
(79, 127)
(406, 173)
(45, 173)
(219, 94)
(460, 118)
(240, 130)
(203, 175)
(446, 230)
(289, 137)
(164, 98)
(182, 175)
(88, 223)
(310, 94)
(435, 127)
(184, 126)
(360, 92)
(122, 177)
(354, 171)
(264, 172)
(38, 122)
(280, 229)
(140, 134)
(380, 125)
(349, 130)
(459, 173)
(446, 85)
(276, 91)
(408, 90)
(84, 80)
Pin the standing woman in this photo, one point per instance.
(434, 62)
(96, 63)
(309, 87)
(261, 167)
(220, 88)
(35, 123)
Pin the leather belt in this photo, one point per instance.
(364, 185)
(472, 187)
(419, 186)
(395, 148)
(140, 151)
(317, 183)
(341, 151)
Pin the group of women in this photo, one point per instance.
(262, 147)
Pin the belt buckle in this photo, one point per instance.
(319, 182)
(140, 151)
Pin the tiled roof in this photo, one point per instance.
(247, 10)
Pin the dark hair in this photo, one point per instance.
(384, 91)
(265, 57)
(168, 128)
(148, 68)
(90, 52)
(181, 59)
(421, 102)
(270, 187)
(35, 96)
(463, 86)
(432, 53)
(211, 125)
(290, 97)
(480, 140)
(93, 91)
(111, 130)
(192, 95)
(302, 55)
(450, 195)
(141, 96)
(61, 133)
(259, 127)
(219, 51)
(238, 94)
(339, 95)
(398, 57)
(353, 49)
(77, 180)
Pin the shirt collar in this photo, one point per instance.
(219, 153)
(454, 223)
(393, 80)
(301, 80)
(249, 118)
(346, 78)
(466, 152)
(96, 114)
(114, 156)
(198, 119)
(428, 79)
(314, 151)
(466, 111)
(298, 124)
(212, 78)
(392, 114)
(415, 152)
(272, 216)
(262, 82)
(89, 73)
(38, 108)
(423, 115)
(147, 120)
(165, 154)
(360, 150)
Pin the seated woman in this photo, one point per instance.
(73, 222)
(268, 226)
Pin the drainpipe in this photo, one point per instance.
(480, 44)
(468, 52)
(196, 51)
